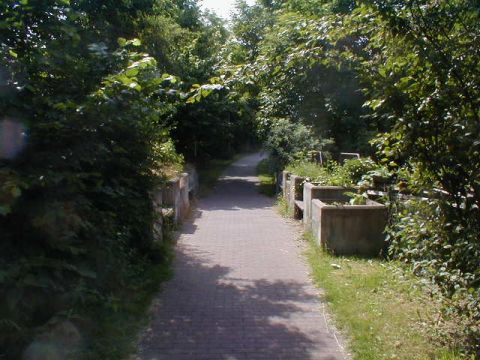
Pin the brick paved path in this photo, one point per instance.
(240, 289)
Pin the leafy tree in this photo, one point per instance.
(91, 115)
(296, 77)
(417, 61)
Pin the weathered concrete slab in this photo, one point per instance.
(158, 224)
(295, 193)
(320, 192)
(176, 196)
(348, 156)
(350, 229)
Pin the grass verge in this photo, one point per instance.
(267, 178)
(282, 207)
(386, 313)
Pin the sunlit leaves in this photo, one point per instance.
(199, 92)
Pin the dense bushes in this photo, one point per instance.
(428, 80)
(81, 216)
(287, 141)
(85, 137)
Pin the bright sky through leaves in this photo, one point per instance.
(223, 8)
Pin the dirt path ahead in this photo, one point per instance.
(241, 290)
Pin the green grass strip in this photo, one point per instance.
(386, 313)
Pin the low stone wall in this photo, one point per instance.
(320, 192)
(174, 199)
(343, 229)
(175, 195)
(157, 207)
(285, 185)
(350, 229)
(295, 193)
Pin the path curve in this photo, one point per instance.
(241, 289)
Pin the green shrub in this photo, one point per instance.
(288, 141)
(308, 170)
(446, 250)
(349, 174)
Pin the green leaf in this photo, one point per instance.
(131, 72)
(135, 86)
(206, 92)
(191, 100)
(122, 41)
(376, 103)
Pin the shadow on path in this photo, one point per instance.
(240, 290)
(238, 319)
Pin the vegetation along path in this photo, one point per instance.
(241, 289)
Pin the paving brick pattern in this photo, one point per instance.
(241, 289)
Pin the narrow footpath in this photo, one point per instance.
(241, 289)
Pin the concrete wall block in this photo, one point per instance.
(170, 191)
(183, 181)
(286, 191)
(295, 191)
(350, 229)
(184, 199)
(176, 195)
(157, 207)
(157, 198)
(320, 192)
(315, 222)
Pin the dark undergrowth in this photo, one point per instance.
(115, 322)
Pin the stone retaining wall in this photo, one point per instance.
(174, 199)
(342, 228)
(296, 191)
(285, 185)
(176, 196)
(350, 229)
(320, 192)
